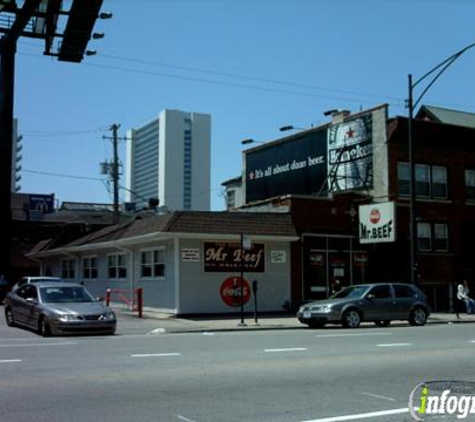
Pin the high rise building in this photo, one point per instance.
(170, 159)
(16, 158)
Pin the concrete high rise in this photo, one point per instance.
(170, 159)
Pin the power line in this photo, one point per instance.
(70, 176)
(244, 86)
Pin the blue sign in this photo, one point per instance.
(43, 203)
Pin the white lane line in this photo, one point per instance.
(354, 335)
(377, 396)
(10, 360)
(154, 355)
(66, 343)
(183, 418)
(290, 349)
(362, 415)
(394, 345)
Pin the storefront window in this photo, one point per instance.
(117, 266)
(89, 268)
(152, 263)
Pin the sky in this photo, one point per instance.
(254, 65)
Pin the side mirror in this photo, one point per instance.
(31, 300)
(371, 297)
(100, 299)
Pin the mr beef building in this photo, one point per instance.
(377, 223)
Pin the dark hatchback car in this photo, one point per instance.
(378, 303)
(58, 308)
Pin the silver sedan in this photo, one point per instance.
(58, 308)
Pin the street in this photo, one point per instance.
(281, 375)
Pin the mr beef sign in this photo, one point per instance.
(229, 257)
(377, 223)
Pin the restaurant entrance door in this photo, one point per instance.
(327, 258)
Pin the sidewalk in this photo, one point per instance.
(159, 323)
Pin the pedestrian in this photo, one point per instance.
(336, 287)
(462, 294)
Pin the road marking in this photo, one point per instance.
(153, 355)
(290, 349)
(362, 415)
(184, 419)
(66, 343)
(354, 335)
(10, 360)
(377, 396)
(394, 345)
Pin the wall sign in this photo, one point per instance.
(190, 255)
(228, 257)
(377, 223)
(230, 291)
(278, 257)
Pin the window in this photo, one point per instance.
(441, 239)
(68, 269)
(117, 266)
(439, 182)
(89, 268)
(403, 179)
(402, 291)
(422, 180)
(381, 292)
(424, 237)
(432, 237)
(152, 263)
(470, 184)
(431, 181)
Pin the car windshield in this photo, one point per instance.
(65, 294)
(351, 292)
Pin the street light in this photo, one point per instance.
(290, 127)
(251, 141)
(411, 105)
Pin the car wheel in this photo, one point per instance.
(9, 317)
(43, 327)
(316, 324)
(418, 317)
(383, 323)
(351, 319)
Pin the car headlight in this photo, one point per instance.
(67, 317)
(110, 315)
(326, 309)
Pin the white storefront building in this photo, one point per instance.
(186, 262)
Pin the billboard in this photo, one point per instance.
(350, 154)
(296, 166)
(43, 203)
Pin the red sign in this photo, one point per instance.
(231, 291)
(374, 216)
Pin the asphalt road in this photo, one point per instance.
(288, 375)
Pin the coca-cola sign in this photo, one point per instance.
(230, 257)
(231, 293)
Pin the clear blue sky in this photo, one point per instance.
(254, 65)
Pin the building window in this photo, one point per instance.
(441, 238)
(68, 269)
(89, 268)
(152, 263)
(424, 237)
(470, 184)
(432, 237)
(431, 181)
(117, 266)
(439, 182)
(422, 180)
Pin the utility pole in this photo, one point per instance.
(113, 170)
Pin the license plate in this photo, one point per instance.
(307, 315)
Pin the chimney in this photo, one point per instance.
(338, 116)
